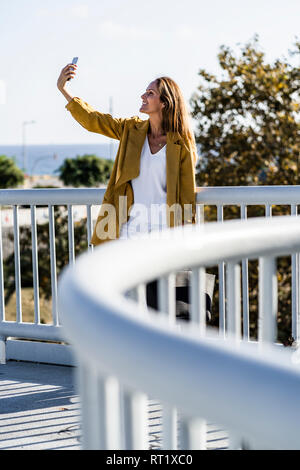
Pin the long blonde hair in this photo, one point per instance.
(176, 117)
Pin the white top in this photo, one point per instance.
(149, 211)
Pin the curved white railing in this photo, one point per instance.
(11, 199)
(251, 389)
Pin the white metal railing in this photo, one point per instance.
(250, 388)
(34, 198)
(245, 196)
(91, 198)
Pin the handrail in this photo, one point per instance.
(281, 194)
(251, 391)
(284, 194)
(54, 196)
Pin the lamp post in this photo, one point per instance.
(25, 123)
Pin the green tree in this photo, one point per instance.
(85, 170)
(248, 125)
(248, 132)
(10, 175)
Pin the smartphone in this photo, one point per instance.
(74, 61)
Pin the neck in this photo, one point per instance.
(155, 126)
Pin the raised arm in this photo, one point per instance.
(94, 121)
(68, 72)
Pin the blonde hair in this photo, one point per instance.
(176, 117)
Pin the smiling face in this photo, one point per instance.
(151, 100)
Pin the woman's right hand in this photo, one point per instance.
(67, 72)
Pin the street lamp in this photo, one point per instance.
(25, 123)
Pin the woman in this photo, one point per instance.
(154, 169)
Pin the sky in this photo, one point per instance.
(122, 46)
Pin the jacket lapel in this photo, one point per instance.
(130, 166)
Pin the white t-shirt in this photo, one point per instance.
(149, 211)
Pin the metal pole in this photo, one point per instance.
(24, 143)
(23, 146)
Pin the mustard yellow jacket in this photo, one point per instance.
(131, 132)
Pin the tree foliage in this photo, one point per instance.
(248, 125)
(248, 132)
(86, 170)
(10, 175)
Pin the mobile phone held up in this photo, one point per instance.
(74, 61)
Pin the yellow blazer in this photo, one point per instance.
(131, 132)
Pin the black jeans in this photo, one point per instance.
(182, 300)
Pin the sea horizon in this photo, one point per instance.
(46, 158)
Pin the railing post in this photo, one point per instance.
(233, 280)
(53, 264)
(135, 420)
(2, 350)
(233, 283)
(35, 265)
(17, 264)
(197, 295)
(167, 304)
(245, 286)
(169, 415)
(267, 328)
(200, 214)
(193, 434)
(221, 269)
(295, 289)
(71, 234)
(2, 304)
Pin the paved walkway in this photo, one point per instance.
(39, 410)
(38, 407)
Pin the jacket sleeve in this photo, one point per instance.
(187, 183)
(94, 121)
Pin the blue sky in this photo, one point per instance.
(122, 46)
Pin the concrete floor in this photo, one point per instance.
(39, 410)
